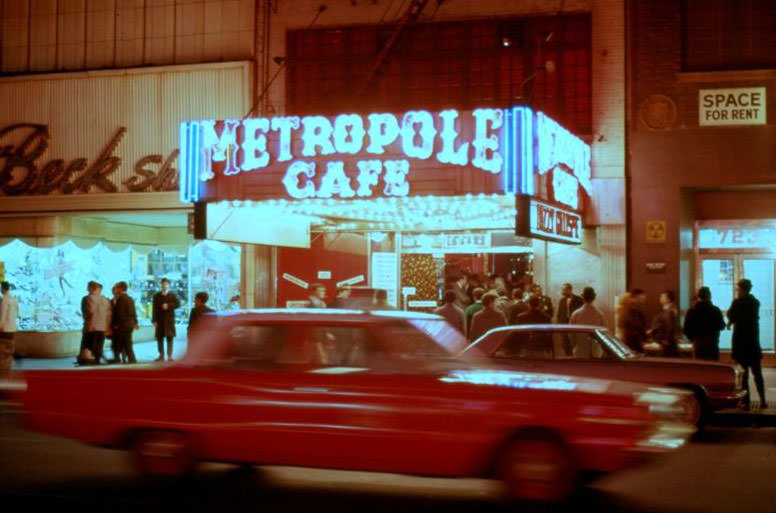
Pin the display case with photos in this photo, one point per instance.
(49, 282)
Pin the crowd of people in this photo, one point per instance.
(475, 307)
(104, 318)
(116, 319)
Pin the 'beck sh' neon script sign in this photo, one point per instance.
(512, 142)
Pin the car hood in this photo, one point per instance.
(540, 381)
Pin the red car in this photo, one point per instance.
(347, 389)
(591, 351)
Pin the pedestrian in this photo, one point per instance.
(85, 352)
(517, 307)
(9, 311)
(534, 314)
(632, 322)
(458, 285)
(380, 301)
(665, 325)
(744, 316)
(163, 318)
(503, 301)
(568, 303)
(545, 303)
(452, 313)
(118, 353)
(587, 314)
(702, 325)
(123, 321)
(475, 307)
(487, 318)
(317, 296)
(196, 314)
(96, 310)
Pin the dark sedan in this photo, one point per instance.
(591, 351)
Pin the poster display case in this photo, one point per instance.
(49, 282)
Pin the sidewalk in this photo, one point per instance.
(145, 352)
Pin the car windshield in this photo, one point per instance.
(618, 348)
(451, 341)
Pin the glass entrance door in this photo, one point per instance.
(760, 272)
(719, 276)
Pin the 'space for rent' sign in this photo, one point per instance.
(740, 106)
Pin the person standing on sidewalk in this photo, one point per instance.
(587, 313)
(488, 318)
(98, 308)
(453, 314)
(200, 309)
(124, 321)
(163, 317)
(744, 316)
(702, 325)
(9, 311)
(665, 325)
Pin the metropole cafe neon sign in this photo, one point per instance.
(516, 142)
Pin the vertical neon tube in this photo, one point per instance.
(183, 171)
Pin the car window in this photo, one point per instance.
(405, 341)
(256, 346)
(334, 345)
(584, 346)
(526, 344)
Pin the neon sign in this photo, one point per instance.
(362, 156)
(541, 220)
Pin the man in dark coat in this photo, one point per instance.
(534, 315)
(568, 303)
(702, 325)
(452, 313)
(545, 303)
(123, 322)
(665, 325)
(163, 317)
(200, 309)
(634, 322)
(488, 318)
(744, 315)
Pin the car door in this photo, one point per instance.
(265, 402)
(387, 411)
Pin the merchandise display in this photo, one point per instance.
(49, 282)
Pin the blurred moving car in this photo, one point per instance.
(592, 351)
(376, 391)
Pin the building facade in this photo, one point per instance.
(106, 86)
(702, 151)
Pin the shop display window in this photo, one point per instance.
(50, 282)
(215, 269)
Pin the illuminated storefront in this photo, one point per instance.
(89, 191)
(387, 192)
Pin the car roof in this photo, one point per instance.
(549, 327)
(329, 314)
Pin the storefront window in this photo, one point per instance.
(50, 282)
(215, 269)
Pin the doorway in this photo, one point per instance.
(721, 273)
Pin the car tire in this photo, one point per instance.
(700, 409)
(159, 452)
(538, 468)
